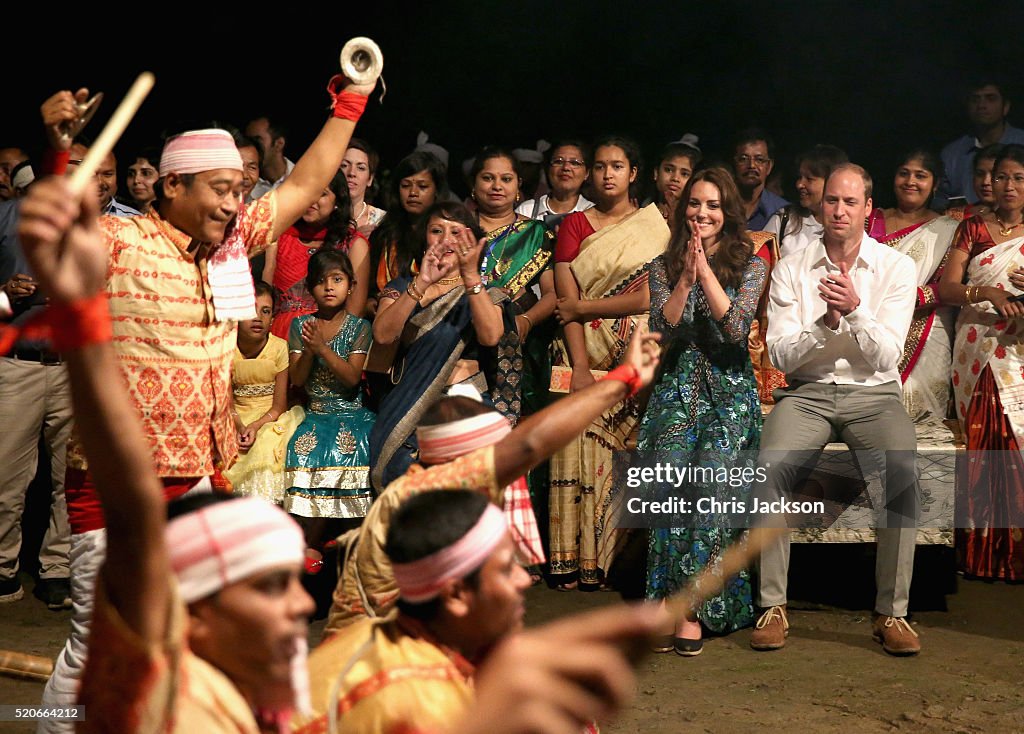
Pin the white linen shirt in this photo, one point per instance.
(264, 187)
(526, 208)
(810, 232)
(868, 345)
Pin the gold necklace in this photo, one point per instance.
(449, 281)
(1004, 229)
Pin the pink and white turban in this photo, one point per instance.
(229, 541)
(448, 441)
(197, 151)
(423, 579)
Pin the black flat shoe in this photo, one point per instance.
(687, 648)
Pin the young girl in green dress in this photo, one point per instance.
(327, 465)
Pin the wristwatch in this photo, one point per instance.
(474, 289)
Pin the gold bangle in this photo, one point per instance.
(974, 296)
(528, 319)
(413, 291)
(967, 294)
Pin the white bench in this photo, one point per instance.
(937, 447)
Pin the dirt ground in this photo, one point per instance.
(830, 677)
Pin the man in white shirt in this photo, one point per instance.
(838, 318)
(274, 167)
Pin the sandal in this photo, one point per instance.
(571, 586)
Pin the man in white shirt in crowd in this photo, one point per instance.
(838, 318)
(274, 167)
(106, 181)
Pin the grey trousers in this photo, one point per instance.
(874, 424)
(35, 399)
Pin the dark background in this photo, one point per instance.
(875, 79)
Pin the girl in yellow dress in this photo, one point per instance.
(259, 377)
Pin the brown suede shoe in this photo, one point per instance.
(896, 635)
(771, 629)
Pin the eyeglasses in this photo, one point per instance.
(571, 162)
(1001, 178)
(757, 160)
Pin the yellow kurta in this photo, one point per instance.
(401, 679)
(260, 471)
(367, 572)
(173, 353)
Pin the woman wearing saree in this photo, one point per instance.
(916, 231)
(983, 274)
(452, 328)
(704, 409)
(417, 182)
(327, 223)
(516, 257)
(601, 279)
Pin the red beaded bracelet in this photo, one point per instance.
(346, 105)
(628, 374)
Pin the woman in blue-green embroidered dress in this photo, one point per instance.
(704, 410)
(327, 466)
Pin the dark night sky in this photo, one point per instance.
(874, 80)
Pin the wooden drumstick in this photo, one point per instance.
(112, 132)
(30, 667)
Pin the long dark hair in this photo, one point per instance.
(323, 261)
(735, 247)
(398, 226)
(340, 226)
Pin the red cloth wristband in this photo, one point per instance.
(79, 323)
(346, 105)
(628, 374)
(55, 162)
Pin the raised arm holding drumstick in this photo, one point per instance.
(182, 266)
